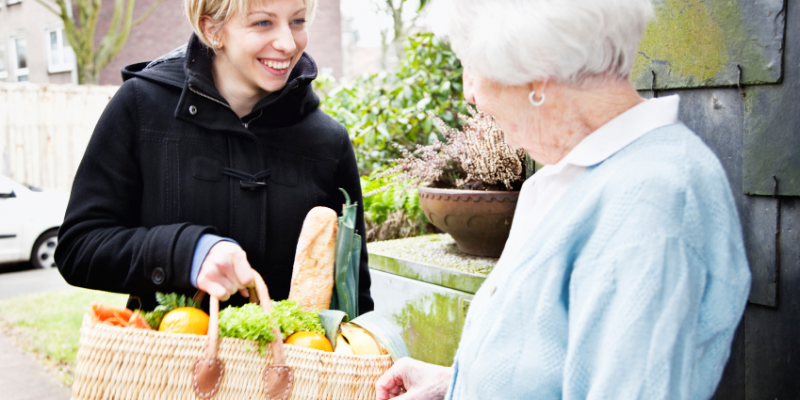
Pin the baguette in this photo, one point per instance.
(314, 260)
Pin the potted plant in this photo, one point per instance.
(468, 185)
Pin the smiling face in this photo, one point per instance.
(256, 52)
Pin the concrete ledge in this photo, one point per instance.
(431, 259)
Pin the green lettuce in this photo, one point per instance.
(249, 322)
(292, 319)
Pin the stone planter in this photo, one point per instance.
(479, 221)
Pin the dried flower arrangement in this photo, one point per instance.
(476, 158)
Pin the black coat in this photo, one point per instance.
(170, 161)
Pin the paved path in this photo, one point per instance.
(21, 375)
(23, 378)
(19, 283)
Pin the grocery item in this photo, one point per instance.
(384, 333)
(353, 338)
(311, 340)
(312, 276)
(138, 321)
(117, 316)
(342, 346)
(221, 368)
(292, 318)
(372, 324)
(250, 322)
(185, 320)
(348, 260)
(166, 303)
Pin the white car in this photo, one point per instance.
(29, 221)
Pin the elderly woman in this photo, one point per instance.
(624, 275)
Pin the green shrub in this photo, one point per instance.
(390, 107)
(393, 213)
(379, 206)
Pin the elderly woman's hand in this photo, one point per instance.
(225, 271)
(410, 379)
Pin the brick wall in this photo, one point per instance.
(325, 37)
(167, 28)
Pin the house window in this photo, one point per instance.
(18, 49)
(60, 57)
(3, 70)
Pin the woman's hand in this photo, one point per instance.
(410, 379)
(225, 271)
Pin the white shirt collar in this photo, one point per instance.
(620, 132)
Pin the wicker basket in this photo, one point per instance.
(128, 363)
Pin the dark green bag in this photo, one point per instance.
(348, 256)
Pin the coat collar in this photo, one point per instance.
(189, 68)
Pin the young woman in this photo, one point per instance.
(206, 161)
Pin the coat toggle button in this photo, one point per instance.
(158, 276)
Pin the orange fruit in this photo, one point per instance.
(311, 340)
(185, 320)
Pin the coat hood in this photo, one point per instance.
(188, 68)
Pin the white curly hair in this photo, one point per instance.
(515, 42)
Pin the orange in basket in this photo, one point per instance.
(185, 320)
(312, 340)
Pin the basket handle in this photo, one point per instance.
(208, 371)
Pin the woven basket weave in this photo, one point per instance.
(129, 363)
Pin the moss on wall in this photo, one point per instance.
(432, 327)
(449, 278)
(697, 43)
(686, 37)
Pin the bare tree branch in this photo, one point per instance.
(49, 7)
(147, 13)
(81, 31)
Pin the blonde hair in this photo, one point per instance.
(222, 11)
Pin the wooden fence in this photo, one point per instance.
(44, 130)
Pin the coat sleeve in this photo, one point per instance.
(102, 244)
(649, 320)
(347, 178)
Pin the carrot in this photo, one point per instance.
(138, 321)
(116, 321)
(116, 316)
(104, 312)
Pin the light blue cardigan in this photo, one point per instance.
(631, 288)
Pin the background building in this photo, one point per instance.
(164, 30)
(167, 28)
(32, 45)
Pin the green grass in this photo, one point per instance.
(48, 325)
